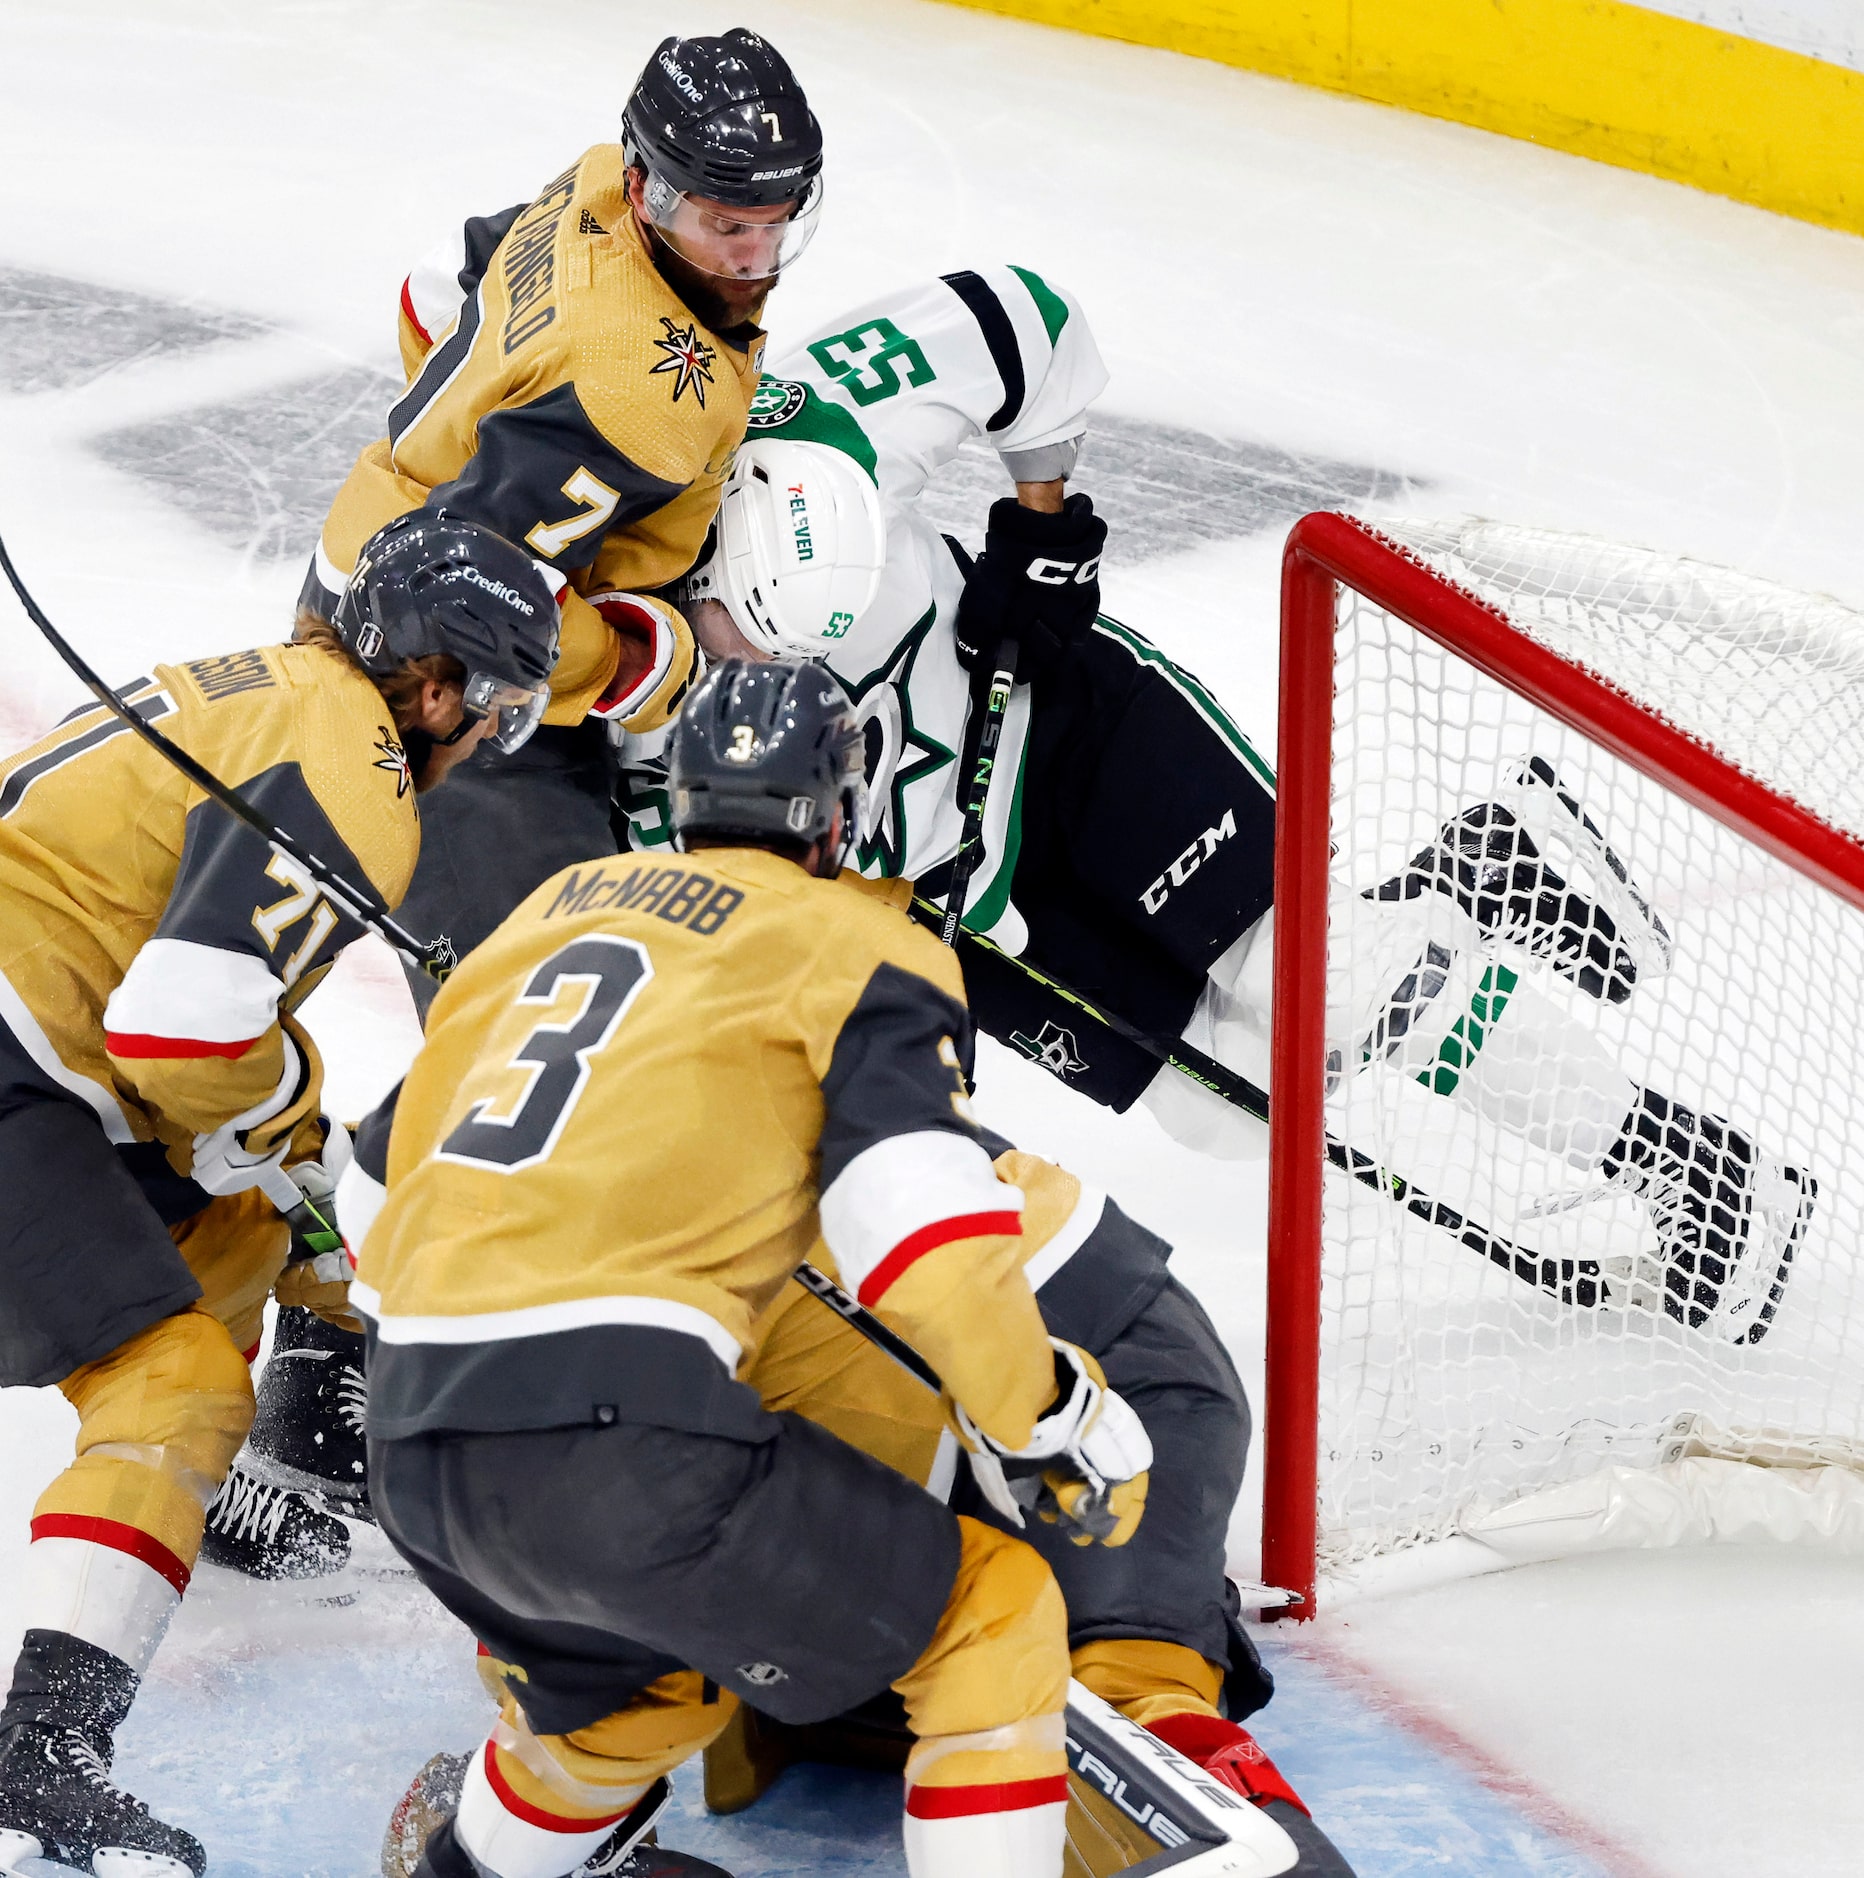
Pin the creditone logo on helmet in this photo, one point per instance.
(775, 402)
(680, 77)
(799, 523)
(499, 591)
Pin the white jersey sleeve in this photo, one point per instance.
(995, 353)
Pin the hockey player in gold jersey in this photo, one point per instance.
(153, 1075)
(581, 369)
(635, 1105)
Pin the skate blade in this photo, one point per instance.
(116, 1861)
(18, 1850)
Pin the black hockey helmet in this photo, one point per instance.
(765, 750)
(432, 582)
(723, 118)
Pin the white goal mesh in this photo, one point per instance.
(1623, 1043)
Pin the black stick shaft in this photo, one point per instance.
(971, 839)
(436, 959)
(1572, 1281)
(819, 1284)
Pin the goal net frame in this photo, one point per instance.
(1326, 554)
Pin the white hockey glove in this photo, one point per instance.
(1084, 1469)
(227, 1161)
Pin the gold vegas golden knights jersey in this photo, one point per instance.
(151, 945)
(635, 1101)
(563, 394)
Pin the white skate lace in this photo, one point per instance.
(249, 1509)
(84, 1759)
(352, 1397)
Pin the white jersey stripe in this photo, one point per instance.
(180, 989)
(902, 1186)
(543, 1320)
(18, 1018)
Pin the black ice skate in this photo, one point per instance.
(1729, 1219)
(58, 1802)
(263, 1531)
(1489, 861)
(308, 1430)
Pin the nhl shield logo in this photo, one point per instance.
(762, 1675)
(1054, 1048)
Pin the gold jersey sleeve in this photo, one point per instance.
(635, 1101)
(152, 946)
(576, 405)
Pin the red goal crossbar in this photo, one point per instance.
(1324, 553)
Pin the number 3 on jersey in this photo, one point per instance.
(557, 1054)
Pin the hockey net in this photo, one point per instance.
(1568, 1140)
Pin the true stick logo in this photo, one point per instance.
(1188, 862)
(1053, 1047)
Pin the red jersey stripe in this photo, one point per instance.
(928, 1239)
(128, 1044)
(520, 1808)
(1011, 1796)
(116, 1537)
(413, 318)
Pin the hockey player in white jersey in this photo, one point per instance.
(1156, 902)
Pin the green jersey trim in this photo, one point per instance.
(1050, 304)
(782, 407)
(1194, 692)
(991, 908)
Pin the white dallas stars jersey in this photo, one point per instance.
(900, 385)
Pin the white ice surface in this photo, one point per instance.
(1518, 332)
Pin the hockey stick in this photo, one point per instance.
(434, 957)
(971, 839)
(1571, 1281)
(1163, 1811)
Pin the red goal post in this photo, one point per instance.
(1328, 560)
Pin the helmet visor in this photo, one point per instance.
(514, 709)
(731, 243)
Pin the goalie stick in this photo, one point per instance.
(1131, 1796)
(435, 957)
(1572, 1281)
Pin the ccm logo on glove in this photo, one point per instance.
(1060, 573)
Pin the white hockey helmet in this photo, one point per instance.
(799, 547)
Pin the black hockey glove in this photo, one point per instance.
(1037, 582)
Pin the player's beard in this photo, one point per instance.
(720, 304)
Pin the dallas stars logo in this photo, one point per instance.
(917, 754)
(394, 759)
(689, 358)
(1054, 1047)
